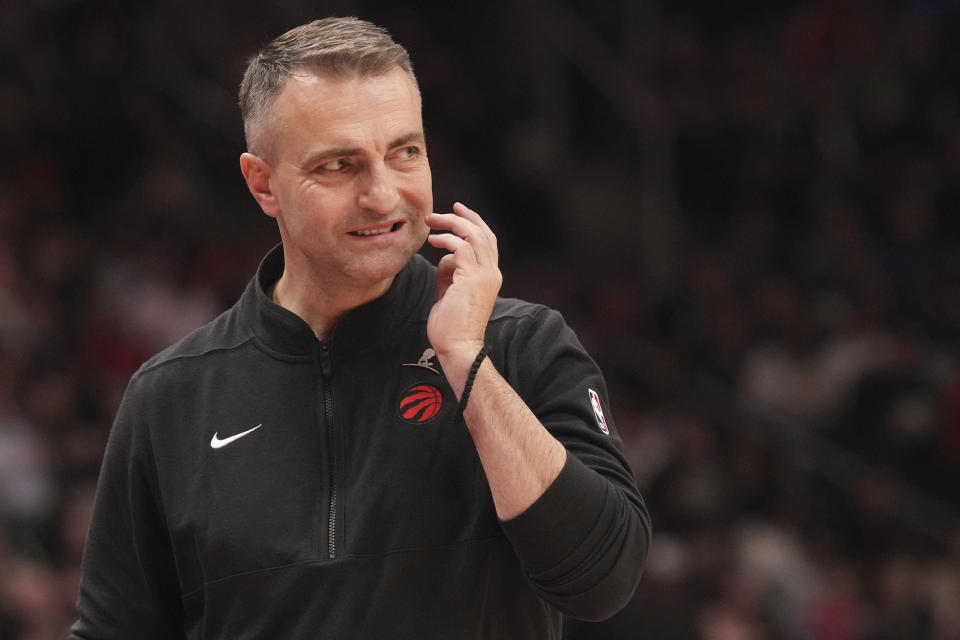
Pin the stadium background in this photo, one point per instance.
(747, 210)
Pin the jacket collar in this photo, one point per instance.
(408, 299)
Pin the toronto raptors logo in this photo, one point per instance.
(420, 403)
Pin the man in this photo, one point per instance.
(364, 446)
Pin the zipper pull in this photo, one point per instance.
(325, 357)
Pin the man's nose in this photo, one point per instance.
(379, 192)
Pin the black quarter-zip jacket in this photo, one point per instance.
(259, 483)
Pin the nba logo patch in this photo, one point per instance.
(598, 411)
(420, 403)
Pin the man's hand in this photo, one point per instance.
(519, 456)
(468, 280)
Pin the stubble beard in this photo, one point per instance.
(375, 266)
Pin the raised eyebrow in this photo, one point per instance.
(413, 136)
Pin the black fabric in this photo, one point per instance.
(344, 512)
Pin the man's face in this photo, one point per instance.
(349, 177)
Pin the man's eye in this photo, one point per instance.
(335, 165)
(408, 153)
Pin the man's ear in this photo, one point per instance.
(257, 173)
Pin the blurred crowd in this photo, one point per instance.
(746, 210)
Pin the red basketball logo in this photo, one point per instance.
(420, 403)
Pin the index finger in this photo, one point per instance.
(473, 232)
(466, 212)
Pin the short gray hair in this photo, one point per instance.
(338, 47)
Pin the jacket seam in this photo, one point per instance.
(190, 356)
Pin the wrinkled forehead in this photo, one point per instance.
(325, 94)
(334, 70)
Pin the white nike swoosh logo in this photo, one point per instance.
(216, 442)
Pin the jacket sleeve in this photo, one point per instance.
(584, 542)
(128, 584)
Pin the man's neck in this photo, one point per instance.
(320, 304)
